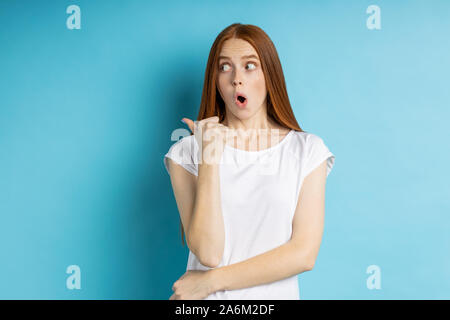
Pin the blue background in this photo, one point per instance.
(86, 117)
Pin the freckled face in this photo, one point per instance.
(241, 72)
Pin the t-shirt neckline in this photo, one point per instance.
(263, 150)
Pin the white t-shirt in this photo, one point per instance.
(259, 194)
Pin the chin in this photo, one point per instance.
(243, 114)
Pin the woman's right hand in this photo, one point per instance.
(211, 137)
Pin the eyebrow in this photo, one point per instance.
(242, 58)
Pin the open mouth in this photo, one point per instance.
(240, 99)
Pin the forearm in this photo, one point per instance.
(279, 263)
(206, 229)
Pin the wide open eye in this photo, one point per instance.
(251, 63)
(222, 66)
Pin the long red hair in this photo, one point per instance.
(278, 106)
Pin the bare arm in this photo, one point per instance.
(295, 256)
(199, 204)
(200, 212)
(206, 232)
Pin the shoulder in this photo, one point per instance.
(183, 142)
(306, 137)
(302, 142)
(311, 150)
(184, 152)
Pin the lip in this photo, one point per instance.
(237, 102)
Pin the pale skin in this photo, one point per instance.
(198, 198)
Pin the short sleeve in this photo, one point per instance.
(316, 153)
(183, 153)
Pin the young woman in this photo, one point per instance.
(249, 183)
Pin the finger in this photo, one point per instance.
(172, 297)
(226, 131)
(189, 123)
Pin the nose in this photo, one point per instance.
(236, 82)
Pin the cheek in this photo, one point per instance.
(221, 86)
(225, 87)
(259, 85)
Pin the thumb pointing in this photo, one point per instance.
(189, 123)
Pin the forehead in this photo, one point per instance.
(235, 48)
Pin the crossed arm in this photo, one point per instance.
(295, 256)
